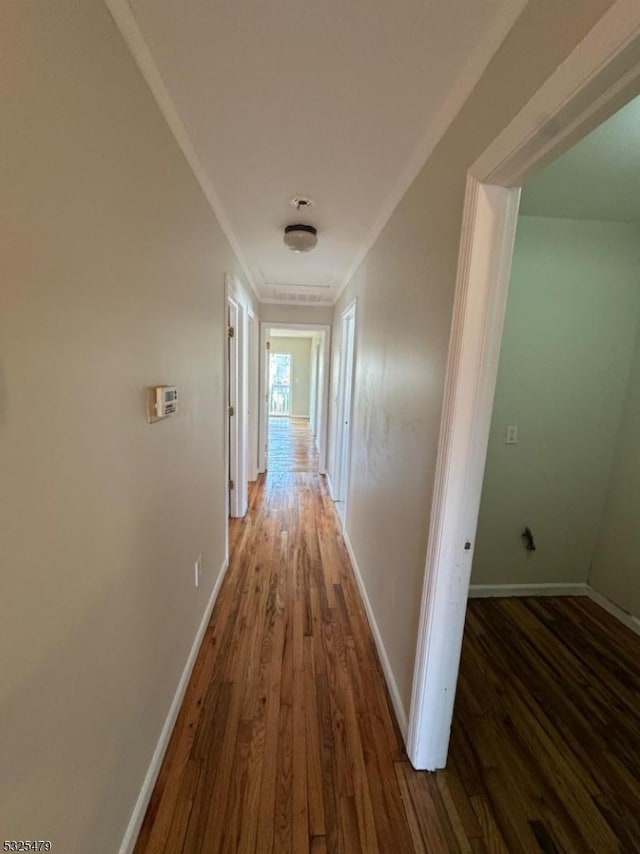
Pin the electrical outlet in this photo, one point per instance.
(197, 571)
(511, 436)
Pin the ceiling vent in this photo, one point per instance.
(286, 296)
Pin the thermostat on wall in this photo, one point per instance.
(162, 401)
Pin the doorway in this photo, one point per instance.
(290, 387)
(595, 80)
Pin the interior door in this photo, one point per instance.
(232, 401)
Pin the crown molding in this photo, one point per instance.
(472, 71)
(126, 22)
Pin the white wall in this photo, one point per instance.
(405, 290)
(277, 313)
(570, 331)
(300, 351)
(616, 565)
(112, 280)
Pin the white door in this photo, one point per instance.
(345, 395)
(253, 397)
(232, 403)
(263, 439)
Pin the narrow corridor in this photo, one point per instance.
(286, 741)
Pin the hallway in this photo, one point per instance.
(286, 741)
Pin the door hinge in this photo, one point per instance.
(230, 484)
(268, 345)
(231, 331)
(232, 411)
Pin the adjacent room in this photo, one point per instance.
(294, 397)
(559, 509)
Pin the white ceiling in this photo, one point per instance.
(340, 100)
(599, 178)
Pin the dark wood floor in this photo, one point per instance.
(286, 740)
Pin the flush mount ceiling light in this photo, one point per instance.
(300, 238)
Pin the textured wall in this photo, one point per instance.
(405, 290)
(112, 280)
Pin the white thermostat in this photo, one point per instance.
(162, 401)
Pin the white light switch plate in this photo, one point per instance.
(511, 436)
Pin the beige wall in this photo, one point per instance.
(616, 566)
(275, 313)
(300, 351)
(112, 280)
(405, 290)
(569, 337)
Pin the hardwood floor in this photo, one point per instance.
(546, 737)
(291, 446)
(286, 740)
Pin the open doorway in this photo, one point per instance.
(593, 83)
(294, 395)
(560, 446)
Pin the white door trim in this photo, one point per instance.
(236, 396)
(253, 395)
(323, 397)
(595, 80)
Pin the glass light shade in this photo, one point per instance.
(300, 238)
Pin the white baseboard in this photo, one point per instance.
(139, 810)
(492, 591)
(624, 617)
(330, 487)
(398, 707)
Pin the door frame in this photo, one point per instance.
(596, 79)
(340, 474)
(323, 396)
(253, 394)
(235, 430)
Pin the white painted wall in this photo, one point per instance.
(300, 351)
(616, 566)
(277, 313)
(112, 280)
(405, 288)
(569, 337)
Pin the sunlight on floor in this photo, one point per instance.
(292, 446)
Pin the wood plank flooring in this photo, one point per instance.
(291, 446)
(546, 737)
(286, 740)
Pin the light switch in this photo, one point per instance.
(511, 437)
